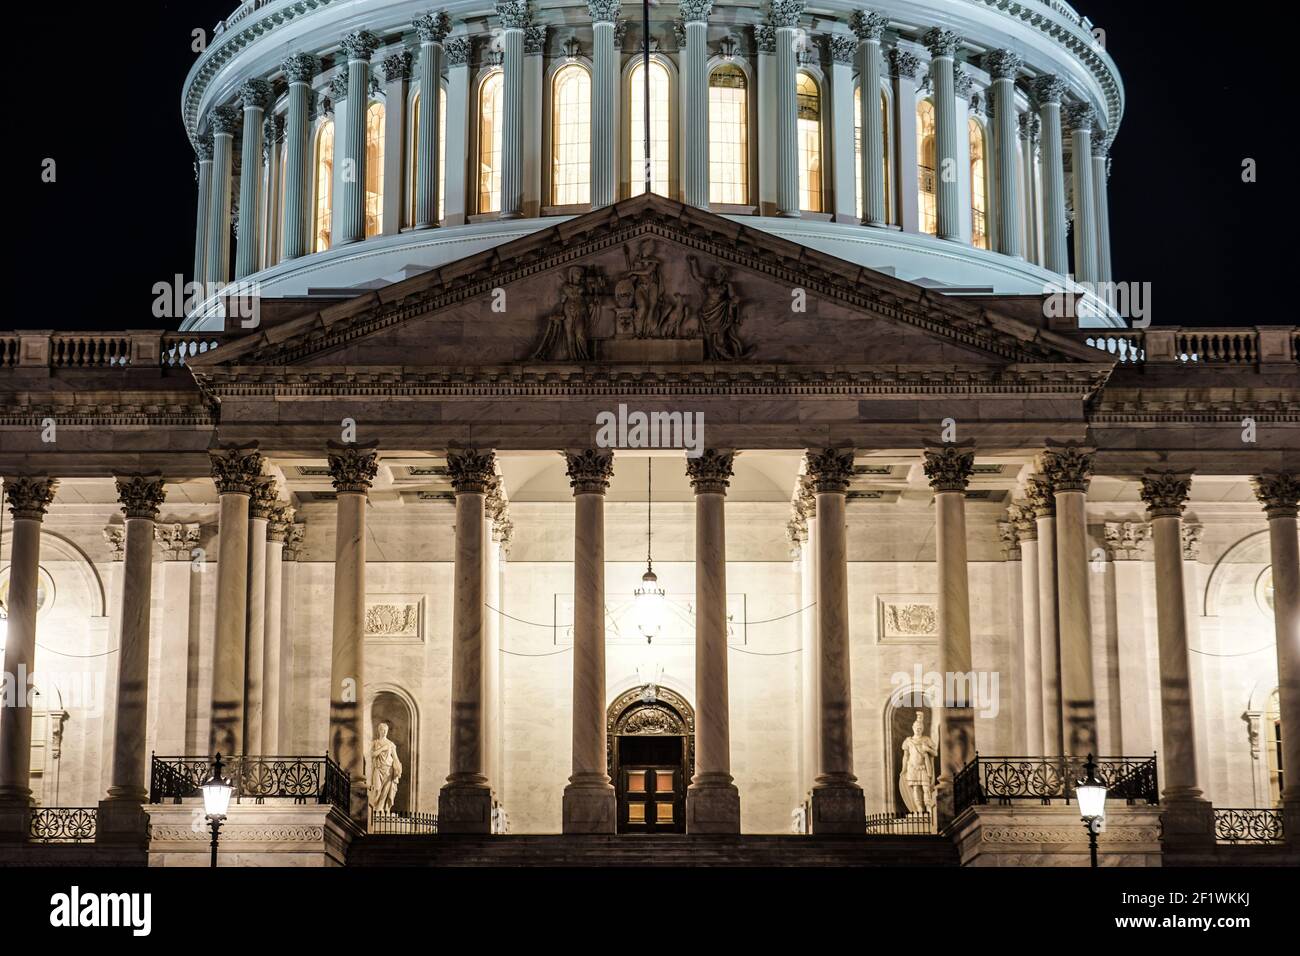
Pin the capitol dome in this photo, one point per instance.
(756, 114)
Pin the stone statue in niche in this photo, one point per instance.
(567, 329)
(385, 771)
(916, 777)
(719, 313)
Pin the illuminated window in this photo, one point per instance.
(571, 136)
(925, 166)
(324, 184)
(809, 136)
(979, 188)
(489, 142)
(374, 169)
(442, 152)
(884, 149)
(728, 136)
(659, 141)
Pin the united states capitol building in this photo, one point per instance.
(577, 442)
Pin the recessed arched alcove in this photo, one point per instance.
(393, 706)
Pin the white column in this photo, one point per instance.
(837, 801)
(458, 50)
(1049, 90)
(115, 538)
(765, 44)
(903, 66)
(695, 96)
(1069, 468)
(843, 163)
(604, 102)
(712, 800)
(1081, 119)
(299, 70)
(223, 122)
(121, 818)
(535, 167)
(784, 17)
(943, 50)
(949, 468)
(515, 16)
(1279, 493)
(1004, 66)
(352, 470)
(1039, 491)
(203, 167)
(1100, 177)
(432, 30)
(260, 507)
(1137, 693)
(465, 801)
(28, 499)
(1187, 817)
(1029, 125)
(349, 222)
(272, 206)
(254, 94)
(169, 703)
(1032, 655)
(869, 26)
(273, 676)
(235, 469)
(589, 802)
(397, 79)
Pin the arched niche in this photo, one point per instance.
(899, 714)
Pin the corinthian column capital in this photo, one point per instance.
(1165, 492)
(710, 473)
(360, 45)
(829, 470)
(949, 467)
(472, 471)
(28, 496)
(785, 13)
(264, 498)
(604, 11)
(433, 27)
(589, 470)
(695, 11)
(141, 495)
(300, 67)
(942, 42)
(397, 66)
(1068, 467)
(353, 467)
(1278, 492)
(1003, 64)
(255, 94)
(235, 468)
(514, 14)
(867, 24)
(225, 120)
(1049, 89)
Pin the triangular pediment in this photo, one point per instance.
(650, 282)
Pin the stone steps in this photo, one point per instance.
(641, 851)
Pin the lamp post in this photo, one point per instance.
(216, 800)
(1091, 793)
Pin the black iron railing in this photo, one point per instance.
(404, 823)
(1248, 825)
(1002, 780)
(300, 779)
(909, 824)
(64, 824)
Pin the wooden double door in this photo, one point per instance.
(650, 781)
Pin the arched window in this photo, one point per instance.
(489, 142)
(925, 167)
(979, 188)
(659, 139)
(374, 169)
(324, 185)
(442, 152)
(728, 136)
(571, 135)
(809, 110)
(884, 148)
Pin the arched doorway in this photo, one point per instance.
(650, 749)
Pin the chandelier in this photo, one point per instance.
(648, 599)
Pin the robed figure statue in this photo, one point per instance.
(385, 771)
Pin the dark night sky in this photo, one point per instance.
(121, 216)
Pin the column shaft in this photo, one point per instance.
(1055, 257)
(512, 124)
(1178, 729)
(1029, 186)
(297, 206)
(201, 226)
(957, 747)
(712, 800)
(1100, 174)
(271, 676)
(787, 127)
(255, 632)
(947, 153)
(1006, 134)
(1085, 222)
(695, 130)
(426, 156)
(350, 216)
(604, 114)
(228, 656)
(1040, 493)
(589, 801)
(873, 134)
(465, 801)
(133, 668)
(1078, 695)
(250, 193)
(224, 120)
(1033, 653)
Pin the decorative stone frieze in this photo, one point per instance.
(1165, 492)
(235, 468)
(1068, 467)
(710, 473)
(141, 495)
(177, 540)
(829, 470)
(1124, 539)
(353, 467)
(1278, 492)
(949, 467)
(28, 496)
(471, 471)
(589, 471)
